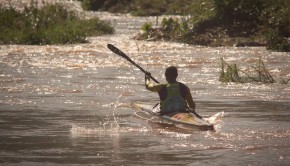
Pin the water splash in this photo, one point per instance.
(115, 125)
(216, 120)
(109, 130)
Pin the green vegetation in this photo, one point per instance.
(211, 22)
(257, 73)
(267, 20)
(120, 6)
(52, 24)
(278, 23)
(232, 22)
(144, 8)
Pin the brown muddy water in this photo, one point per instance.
(70, 104)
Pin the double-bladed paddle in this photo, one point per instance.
(122, 54)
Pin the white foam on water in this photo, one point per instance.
(110, 129)
(216, 120)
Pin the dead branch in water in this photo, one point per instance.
(231, 73)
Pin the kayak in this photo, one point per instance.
(187, 119)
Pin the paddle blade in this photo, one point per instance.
(117, 51)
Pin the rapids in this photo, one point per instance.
(70, 104)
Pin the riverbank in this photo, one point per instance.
(203, 35)
(204, 23)
(211, 23)
(70, 104)
(41, 23)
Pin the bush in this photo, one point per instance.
(239, 10)
(145, 8)
(213, 22)
(278, 24)
(52, 24)
(105, 5)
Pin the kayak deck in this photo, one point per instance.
(187, 119)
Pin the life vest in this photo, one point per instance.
(173, 102)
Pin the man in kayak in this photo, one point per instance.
(174, 96)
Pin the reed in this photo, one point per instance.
(259, 73)
(229, 73)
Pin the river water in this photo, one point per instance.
(70, 104)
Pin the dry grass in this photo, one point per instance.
(257, 73)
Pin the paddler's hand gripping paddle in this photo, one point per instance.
(122, 54)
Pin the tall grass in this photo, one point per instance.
(52, 24)
(258, 73)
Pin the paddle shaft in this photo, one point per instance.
(194, 113)
(122, 54)
(197, 115)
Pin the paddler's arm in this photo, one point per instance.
(149, 85)
(190, 101)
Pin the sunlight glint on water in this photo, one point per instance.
(70, 104)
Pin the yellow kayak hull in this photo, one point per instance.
(188, 119)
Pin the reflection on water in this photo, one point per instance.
(70, 104)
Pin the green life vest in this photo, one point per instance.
(173, 102)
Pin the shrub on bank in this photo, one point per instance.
(144, 8)
(52, 24)
(267, 19)
(212, 22)
(230, 22)
(278, 23)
